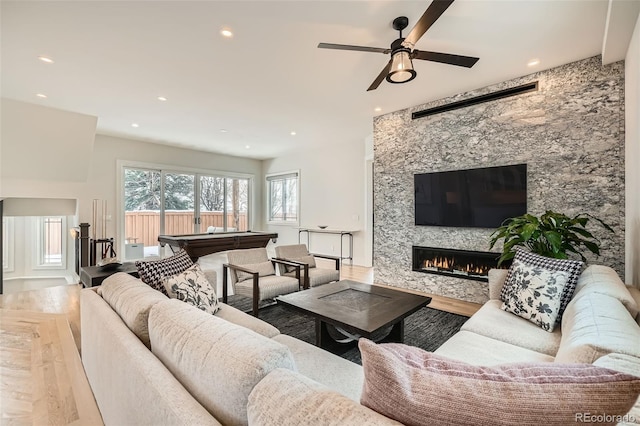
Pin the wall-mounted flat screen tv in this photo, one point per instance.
(477, 198)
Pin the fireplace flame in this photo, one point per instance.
(449, 264)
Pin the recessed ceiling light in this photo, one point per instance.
(226, 33)
(135, 125)
(377, 109)
(162, 98)
(223, 130)
(41, 95)
(45, 59)
(247, 146)
(293, 133)
(533, 62)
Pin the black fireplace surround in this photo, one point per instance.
(471, 265)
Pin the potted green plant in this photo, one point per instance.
(552, 235)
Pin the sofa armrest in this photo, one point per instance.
(287, 398)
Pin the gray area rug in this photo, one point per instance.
(427, 329)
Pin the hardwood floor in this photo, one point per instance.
(43, 381)
(63, 299)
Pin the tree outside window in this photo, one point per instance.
(283, 197)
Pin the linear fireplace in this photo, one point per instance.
(472, 265)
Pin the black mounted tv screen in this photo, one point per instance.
(477, 198)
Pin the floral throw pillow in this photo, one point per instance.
(535, 293)
(572, 267)
(192, 287)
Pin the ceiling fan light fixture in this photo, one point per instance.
(401, 70)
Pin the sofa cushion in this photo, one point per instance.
(571, 267)
(132, 300)
(410, 385)
(153, 272)
(497, 277)
(635, 293)
(476, 349)
(193, 287)
(263, 269)
(602, 279)
(338, 374)
(218, 362)
(287, 398)
(534, 293)
(130, 385)
(596, 325)
(491, 321)
(236, 316)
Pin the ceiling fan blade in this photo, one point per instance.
(380, 77)
(431, 15)
(357, 48)
(445, 58)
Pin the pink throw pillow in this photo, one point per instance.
(416, 387)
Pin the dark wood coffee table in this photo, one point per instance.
(361, 310)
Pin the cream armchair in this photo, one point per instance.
(312, 276)
(253, 275)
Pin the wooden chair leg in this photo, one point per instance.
(256, 295)
(225, 291)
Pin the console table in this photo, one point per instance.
(91, 276)
(342, 233)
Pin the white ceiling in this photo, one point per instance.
(113, 59)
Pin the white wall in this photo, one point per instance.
(44, 143)
(632, 155)
(332, 193)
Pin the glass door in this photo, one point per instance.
(237, 201)
(211, 204)
(142, 200)
(179, 204)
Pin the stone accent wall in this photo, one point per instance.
(570, 133)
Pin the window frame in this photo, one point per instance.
(276, 176)
(39, 243)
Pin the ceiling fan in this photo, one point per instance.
(399, 69)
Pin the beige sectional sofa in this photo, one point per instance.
(232, 368)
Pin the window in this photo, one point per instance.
(7, 244)
(173, 202)
(283, 190)
(51, 242)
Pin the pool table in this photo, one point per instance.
(198, 245)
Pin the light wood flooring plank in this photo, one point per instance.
(43, 381)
